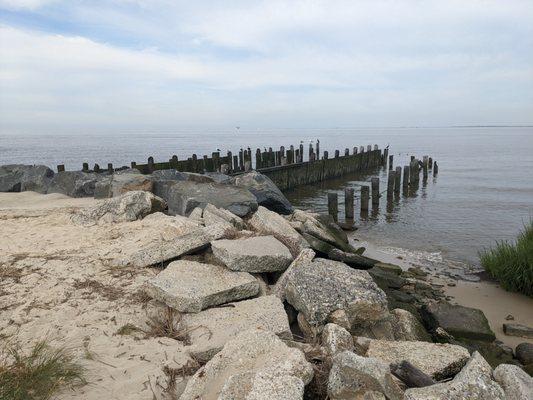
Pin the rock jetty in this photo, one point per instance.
(189, 286)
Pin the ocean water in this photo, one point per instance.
(483, 192)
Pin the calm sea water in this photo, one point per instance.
(483, 192)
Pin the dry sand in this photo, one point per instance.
(59, 281)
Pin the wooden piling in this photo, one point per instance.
(150, 164)
(349, 204)
(258, 163)
(241, 159)
(369, 148)
(174, 162)
(337, 153)
(133, 165)
(301, 158)
(365, 195)
(435, 168)
(230, 161)
(355, 150)
(361, 149)
(391, 159)
(390, 184)
(61, 168)
(425, 168)
(318, 149)
(297, 155)
(85, 167)
(110, 168)
(346, 152)
(333, 205)
(430, 166)
(375, 191)
(405, 176)
(96, 168)
(398, 179)
(326, 155)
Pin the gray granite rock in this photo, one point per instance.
(121, 182)
(266, 192)
(130, 206)
(255, 254)
(515, 382)
(351, 376)
(512, 329)
(524, 353)
(305, 256)
(254, 365)
(21, 178)
(336, 339)
(435, 359)
(212, 328)
(213, 215)
(407, 327)
(458, 321)
(162, 251)
(472, 383)
(183, 197)
(267, 222)
(319, 287)
(74, 183)
(189, 286)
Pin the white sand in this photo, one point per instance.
(54, 257)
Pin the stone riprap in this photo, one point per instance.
(74, 183)
(255, 254)
(212, 328)
(121, 182)
(515, 382)
(21, 178)
(189, 286)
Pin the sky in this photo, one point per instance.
(116, 65)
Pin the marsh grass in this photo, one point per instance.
(39, 374)
(512, 263)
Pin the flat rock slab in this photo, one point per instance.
(160, 252)
(189, 286)
(518, 330)
(458, 321)
(472, 383)
(255, 254)
(319, 287)
(218, 325)
(254, 365)
(434, 359)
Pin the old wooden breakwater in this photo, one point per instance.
(285, 167)
(395, 185)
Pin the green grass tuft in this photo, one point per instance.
(512, 263)
(38, 374)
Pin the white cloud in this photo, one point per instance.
(25, 4)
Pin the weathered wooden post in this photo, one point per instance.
(376, 147)
(326, 155)
(430, 166)
(361, 149)
(346, 152)
(337, 153)
(258, 163)
(355, 150)
(390, 184)
(241, 159)
(425, 168)
(398, 180)
(310, 151)
(369, 148)
(375, 191)
(435, 168)
(291, 155)
(301, 158)
(412, 158)
(194, 163)
(61, 168)
(391, 159)
(405, 176)
(385, 157)
(236, 163)
(349, 204)
(85, 167)
(150, 164)
(174, 162)
(414, 171)
(230, 160)
(110, 168)
(297, 155)
(96, 168)
(333, 205)
(365, 195)
(133, 165)
(318, 149)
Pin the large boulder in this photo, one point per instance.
(131, 206)
(21, 178)
(212, 328)
(351, 376)
(267, 222)
(304, 257)
(164, 179)
(434, 359)
(472, 383)
(189, 286)
(266, 192)
(524, 353)
(121, 182)
(336, 339)
(407, 327)
(320, 287)
(213, 215)
(255, 254)
(458, 321)
(162, 251)
(516, 383)
(183, 197)
(254, 365)
(75, 183)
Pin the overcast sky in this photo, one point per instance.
(76, 66)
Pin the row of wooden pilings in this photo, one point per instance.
(411, 179)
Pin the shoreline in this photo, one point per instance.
(486, 294)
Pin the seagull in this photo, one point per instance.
(219, 150)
